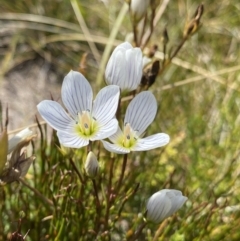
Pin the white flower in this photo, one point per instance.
(20, 136)
(91, 165)
(163, 204)
(124, 67)
(138, 9)
(139, 115)
(87, 121)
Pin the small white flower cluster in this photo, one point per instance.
(88, 120)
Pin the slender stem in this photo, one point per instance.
(135, 34)
(159, 14)
(178, 47)
(160, 229)
(107, 213)
(137, 234)
(168, 61)
(110, 175)
(143, 29)
(89, 147)
(151, 28)
(122, 172)
(46, 200)
(109, 192)
(76, 170)
(82, 23)
(125, 200)
(164, 53)
(98, 206)
(112, 37)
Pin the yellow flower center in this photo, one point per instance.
(129, 137)
(86, 125)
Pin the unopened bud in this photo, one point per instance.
(17, 163)
(194, 24)
(163, 204)
(14, 141)
(91, 165)
(124, 61)
(138, 9)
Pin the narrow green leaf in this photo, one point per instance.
(3, 149)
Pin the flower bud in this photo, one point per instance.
(138, 9)
(91, 165)
(14, 141)
(124, 67)
(17, 163)
(194, 24)
(163, 204)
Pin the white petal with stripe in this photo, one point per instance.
(151, 142)
(54, 114)
(141, 111)
(77, 93)
(71, 139)
(106, 103)
(115, 148)
(106, 130)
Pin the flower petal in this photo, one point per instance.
(105, 104)
(124, 67)
(20, 136)
(141, 111)
(151, 142)
(177, 200)
(158, 206)
(134, 70)
(115, 148)
(116, 136)
(106, 130)
(76, 93)
(71, 140)
(113, 73)
(125, 45)
(54, 114)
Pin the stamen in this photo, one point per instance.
(129, 138)
(86, 125)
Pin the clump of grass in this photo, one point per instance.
(197, 90)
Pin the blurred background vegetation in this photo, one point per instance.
(199, 102)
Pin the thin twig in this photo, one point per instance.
(85, 30)
(160, 229)
(111, 40)
(125, 156)
(139, 231)
(76, 170)
(156, 19)
(98, 206)
(46, 200)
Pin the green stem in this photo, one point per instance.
(46, 200)
(137, 234)
(76, 170)
(160, 229)
(122, 172)
(98, 207)
(111, 39)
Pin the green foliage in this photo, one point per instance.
(201, 117)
